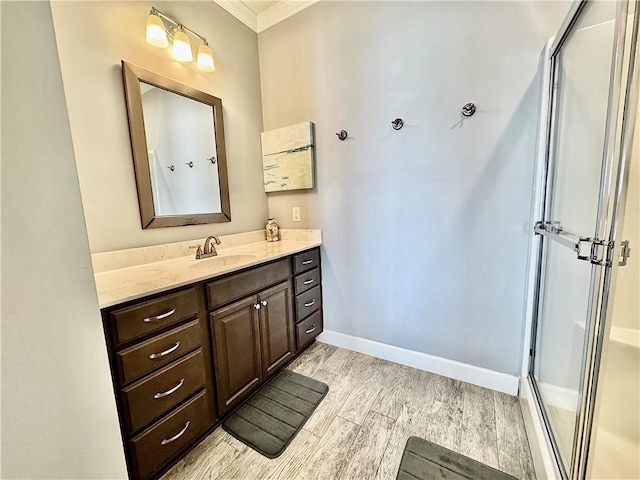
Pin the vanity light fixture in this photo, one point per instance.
(156, 33)
(205, 58)
(181, 49)
(161, 28)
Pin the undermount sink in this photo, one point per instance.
(223, 261)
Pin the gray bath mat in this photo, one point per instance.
(424, 460)
(273, 416)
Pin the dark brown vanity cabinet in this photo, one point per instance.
(253, 337)
(159, 352)
(276, 328)
(183, 360)
(308, 296)
(236, 334)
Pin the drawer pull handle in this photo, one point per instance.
(311, 303)
(153, 356)
(311, 329)
(170, 391)
(264, 303)
(162, 316)
(308, 282)
(177, 435)
(307, 262)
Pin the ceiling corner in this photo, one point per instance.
(281, 11)
(241, 12)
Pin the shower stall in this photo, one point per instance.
(584, 356)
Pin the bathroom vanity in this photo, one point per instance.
(186, 354)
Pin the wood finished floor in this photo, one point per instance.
(360, 429)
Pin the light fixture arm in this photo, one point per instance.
(175, 25)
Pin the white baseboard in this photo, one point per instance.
(464, 372)
(541, 450)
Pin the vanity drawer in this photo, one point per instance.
(149, 398)
(242, 284)
(147, 317)
(161, 350)
(308, 329)
(306, 261)
(307, 280)
(153, 447)
(308, 302)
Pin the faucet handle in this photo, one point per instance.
(198, 251)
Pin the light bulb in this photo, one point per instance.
(156, 34)
(181, 47)
(205, 58)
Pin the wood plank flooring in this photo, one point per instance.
(361, 427)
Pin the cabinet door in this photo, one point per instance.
(236, 351)
(276, 327)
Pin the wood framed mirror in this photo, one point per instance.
(177, 141)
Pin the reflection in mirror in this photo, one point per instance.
(177, 139)
(179, 133)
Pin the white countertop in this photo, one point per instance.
(133, 282)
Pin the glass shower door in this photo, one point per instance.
(572, 257)
(615, 445)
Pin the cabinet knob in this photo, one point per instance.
(264, 303)
(257, 306)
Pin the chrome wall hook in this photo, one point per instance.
(342, 135)
(190, 164)
(397, 124)
(469, 109)
(171, 167)
(212, 160)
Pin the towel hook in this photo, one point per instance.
(469, 109)
(171, 167)
(212, 160)
(342, 135)
(190, 164)
(397, 124)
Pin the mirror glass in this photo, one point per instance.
(177, 139)
(182, 153)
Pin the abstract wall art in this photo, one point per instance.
(287, 158)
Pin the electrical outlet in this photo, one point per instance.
(296, 214)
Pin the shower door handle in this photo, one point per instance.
(555, 231)
(625, 253)
(598, 250)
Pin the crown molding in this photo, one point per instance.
(241, 12)
(280, 11)
(267, 18)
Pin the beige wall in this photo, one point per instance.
(93, 37)
(425, 229)
(58, 410)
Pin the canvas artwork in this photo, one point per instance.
(287, 158)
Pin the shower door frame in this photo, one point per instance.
(621, 114)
